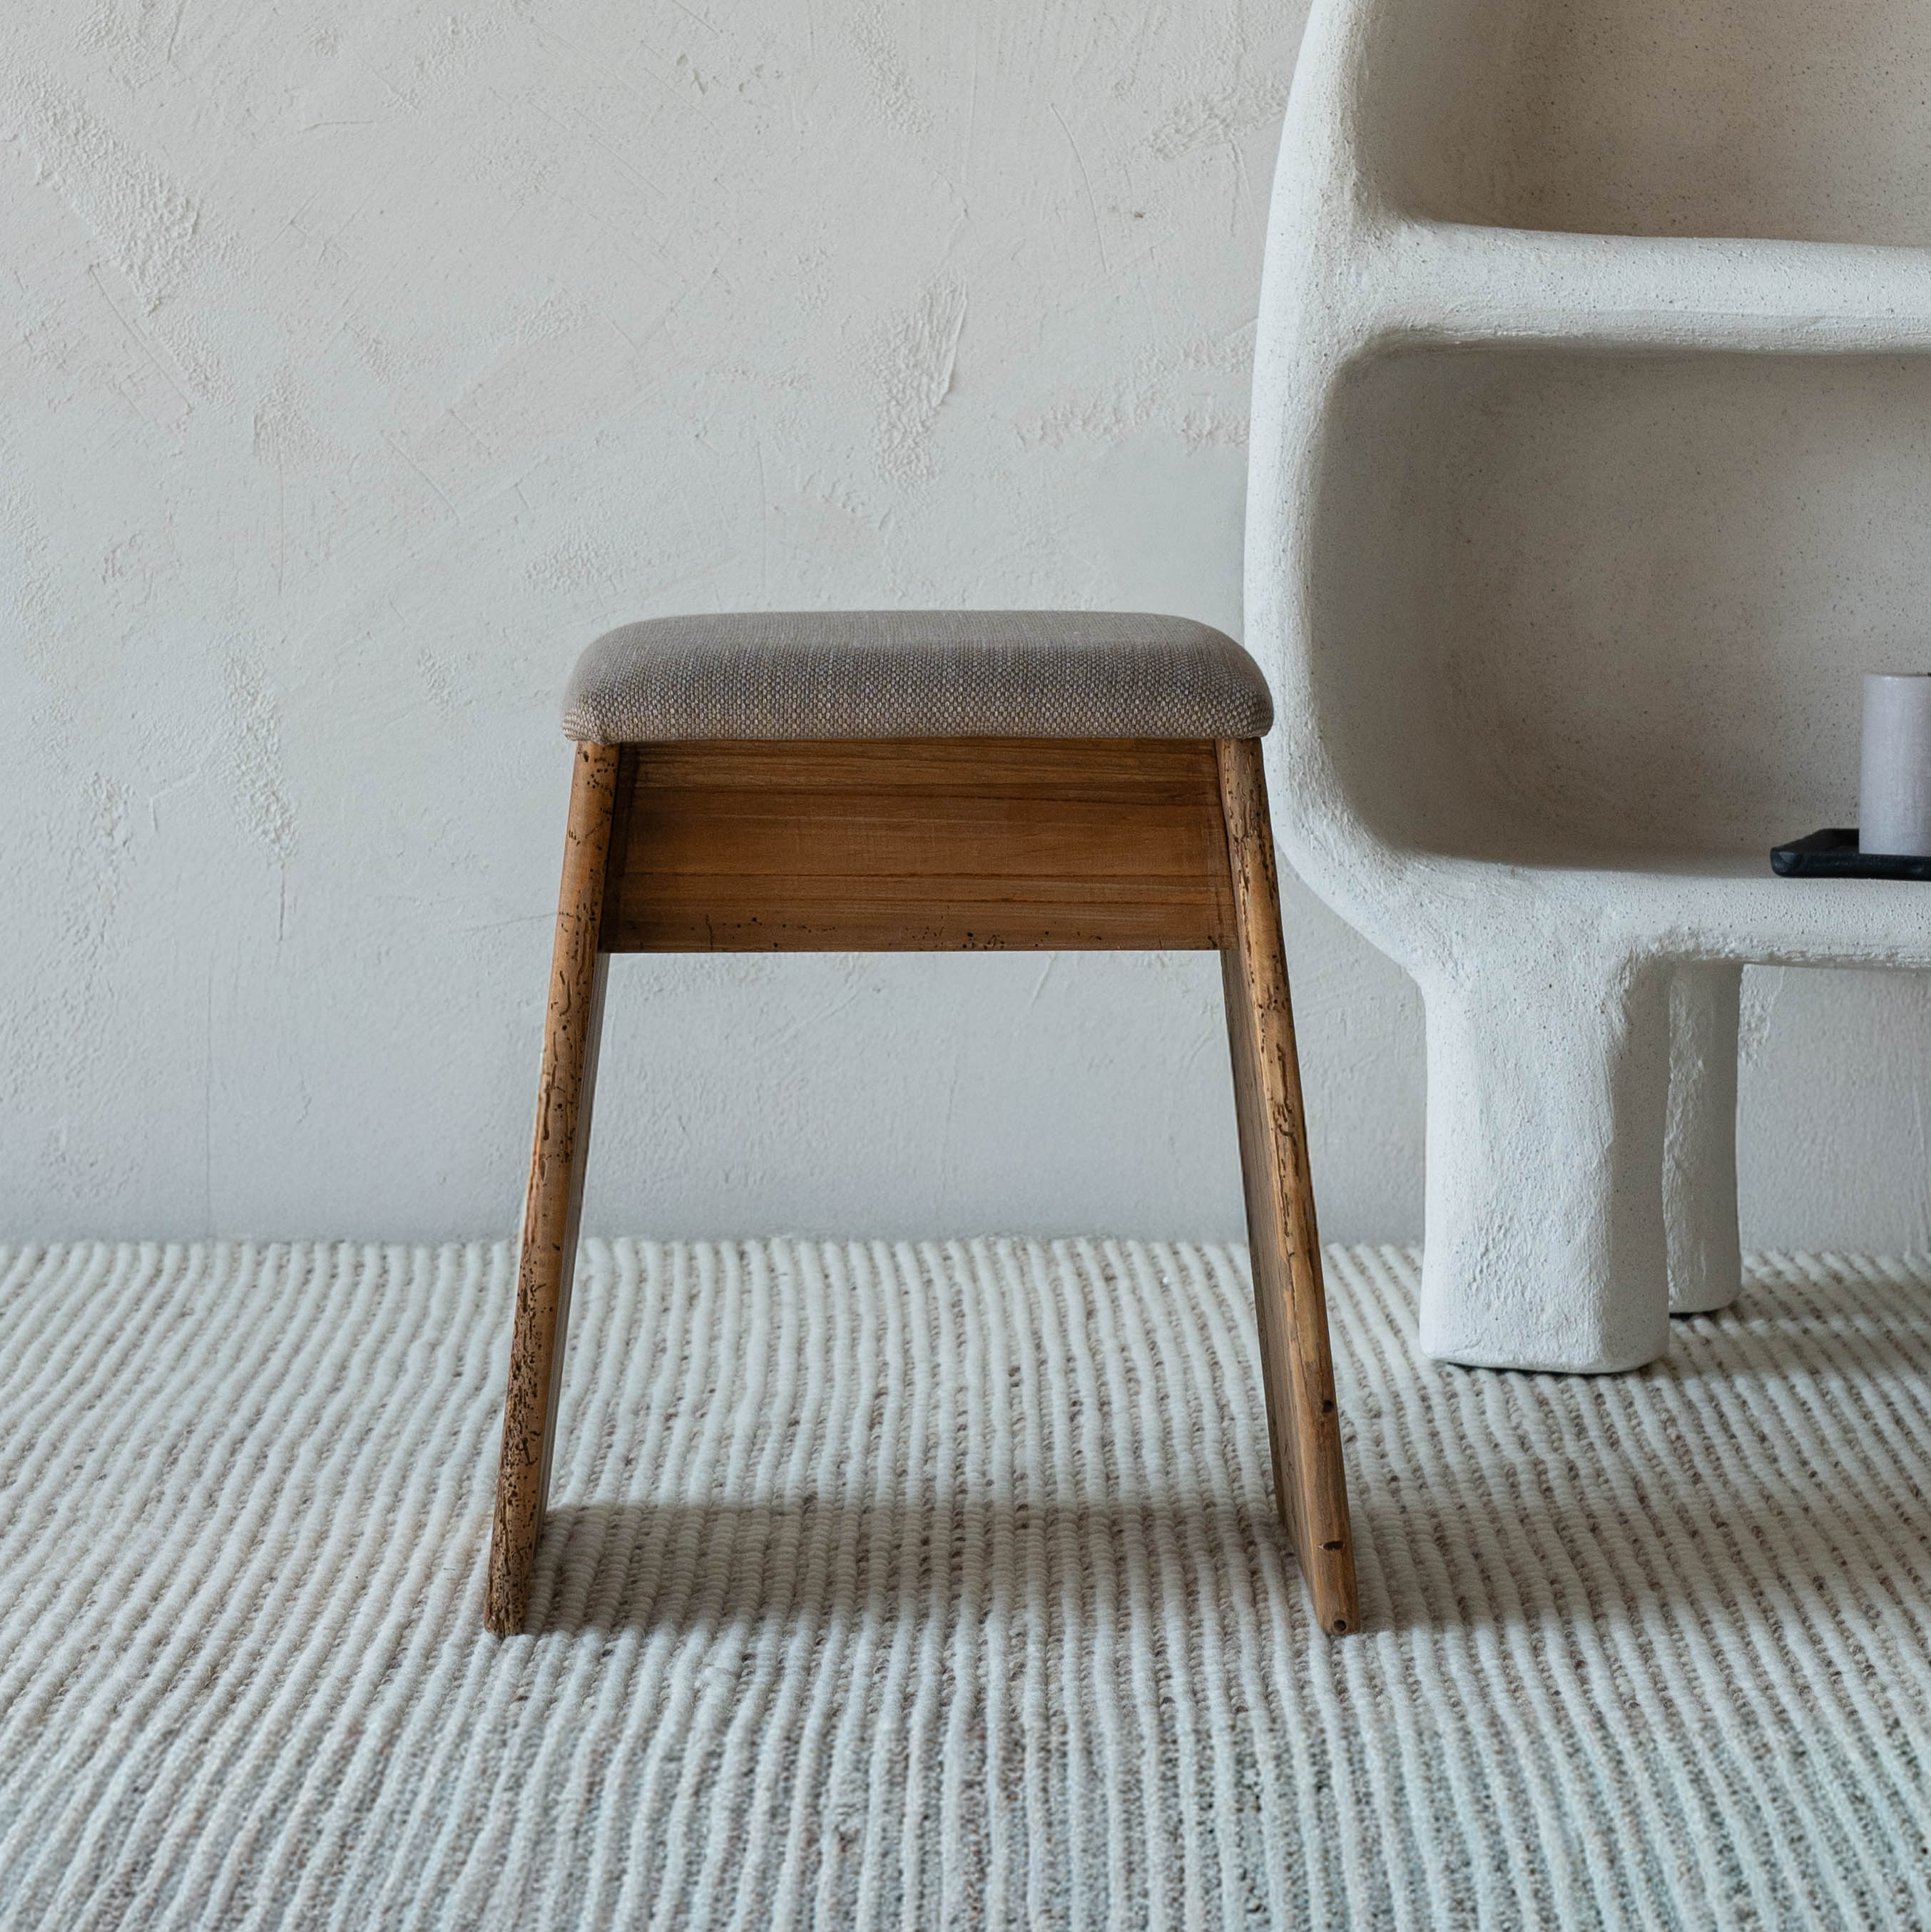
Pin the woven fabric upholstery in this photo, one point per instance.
(915, 674)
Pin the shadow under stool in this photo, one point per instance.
(886, 782)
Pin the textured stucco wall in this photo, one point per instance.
(363, 361)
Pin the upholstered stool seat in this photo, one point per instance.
(915, 674)
(928, 781)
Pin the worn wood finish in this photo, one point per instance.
(933, 845)
(1291, 1303)
(937, 845)
(550, 1208)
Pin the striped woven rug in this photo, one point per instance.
(939, 1585)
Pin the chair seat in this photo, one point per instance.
(915, 674)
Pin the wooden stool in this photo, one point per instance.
(915, 781)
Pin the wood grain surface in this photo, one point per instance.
(937, 845)
(934, 844)
(548, 1247)
(1290, 1302)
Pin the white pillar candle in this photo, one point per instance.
(1894, 796)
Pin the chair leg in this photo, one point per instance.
(548, 1241)
(1310, 1488)
(1699, 1139)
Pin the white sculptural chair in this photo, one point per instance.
(1570, 527)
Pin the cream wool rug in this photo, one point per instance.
(939, 1586)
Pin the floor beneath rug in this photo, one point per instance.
(940, 1585)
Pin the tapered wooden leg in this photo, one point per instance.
(550, 1214)
(1310, 1488)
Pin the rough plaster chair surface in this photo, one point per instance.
(928, 781)
(1572, 520)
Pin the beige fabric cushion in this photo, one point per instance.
(915, 674)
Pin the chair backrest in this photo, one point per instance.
(1568, 547)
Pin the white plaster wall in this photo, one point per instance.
(361, 362)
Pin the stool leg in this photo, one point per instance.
(548, 1242)
(1310, 1488)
